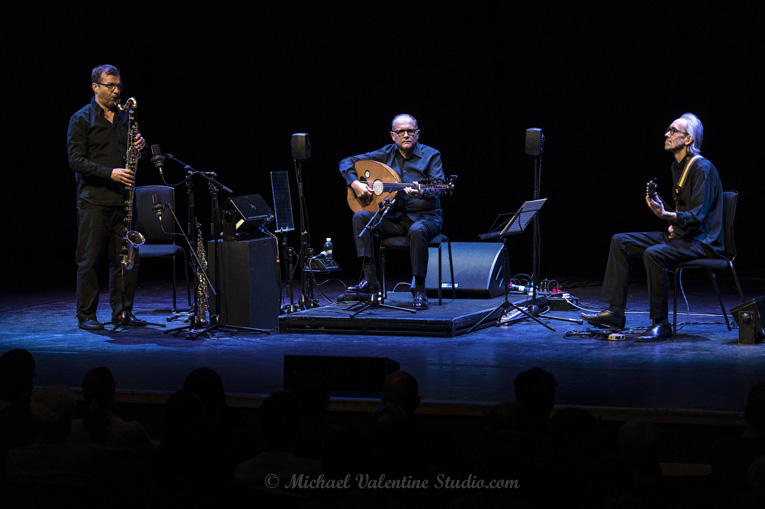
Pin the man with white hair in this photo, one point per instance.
(695, 230)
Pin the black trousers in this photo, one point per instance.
(418, 233)
(659, 255)
(100, 231)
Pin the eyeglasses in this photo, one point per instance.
(672, 131)
(410, 132)
(112, 86)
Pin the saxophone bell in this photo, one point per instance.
(130, 244)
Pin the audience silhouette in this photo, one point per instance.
(208, 453)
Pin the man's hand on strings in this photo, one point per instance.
(414, 193)
(361, 189)
(656, 206)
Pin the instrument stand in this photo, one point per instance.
(516, 224)
(195, 321)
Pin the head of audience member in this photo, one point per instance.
(207, 384)
(313, 391)
(280, 417)
(98, 387)
(17, 372)
(401, 388)
(52, 409)
(535, 393)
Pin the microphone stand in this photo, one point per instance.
(215, 321)
(306, 301)
(376, 299)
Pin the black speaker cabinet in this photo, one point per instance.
(477, 269)
(363, 374)
(750, 316)
(535, 141)
(301, 146)
(249, 288)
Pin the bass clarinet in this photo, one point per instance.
(132, 238)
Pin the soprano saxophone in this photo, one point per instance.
(132, 238)
(203, 308)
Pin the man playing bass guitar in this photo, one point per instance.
(416, 213)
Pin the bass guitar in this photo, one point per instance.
(385, 183)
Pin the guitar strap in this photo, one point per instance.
(683, 177)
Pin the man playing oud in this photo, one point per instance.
(416, 213)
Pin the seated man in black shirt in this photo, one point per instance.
(416, 213)
(695, 230)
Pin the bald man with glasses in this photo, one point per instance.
(695, 230)
(416, 213)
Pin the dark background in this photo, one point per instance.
(224, 85)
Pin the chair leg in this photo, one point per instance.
(382, 273)
(439, 274)
(451, 268)
(678, 274)
(175, 301)
(738, 284)
(719, 297)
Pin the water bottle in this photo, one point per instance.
(327, 250)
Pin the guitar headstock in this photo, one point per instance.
(650, 188)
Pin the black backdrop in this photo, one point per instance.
(224, 85)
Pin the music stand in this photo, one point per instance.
(515, 225)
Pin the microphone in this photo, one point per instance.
(158, 206)
(158, 159)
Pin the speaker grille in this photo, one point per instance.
(477, 269)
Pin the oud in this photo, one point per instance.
(385, 183)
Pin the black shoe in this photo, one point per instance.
(365, 286)
(91, 324)
(420, 300)
(606, 318)
(660, 332)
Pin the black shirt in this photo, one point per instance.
(95, 146)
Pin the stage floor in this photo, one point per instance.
(704, 370)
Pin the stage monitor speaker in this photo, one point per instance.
(301, 146)
(477, 269)
(249, 289)
(750, 317)
(535, 141)
(244, 215)
(363, 374)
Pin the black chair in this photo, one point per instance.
(717, 264)
(401, 242)
(159, 243)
